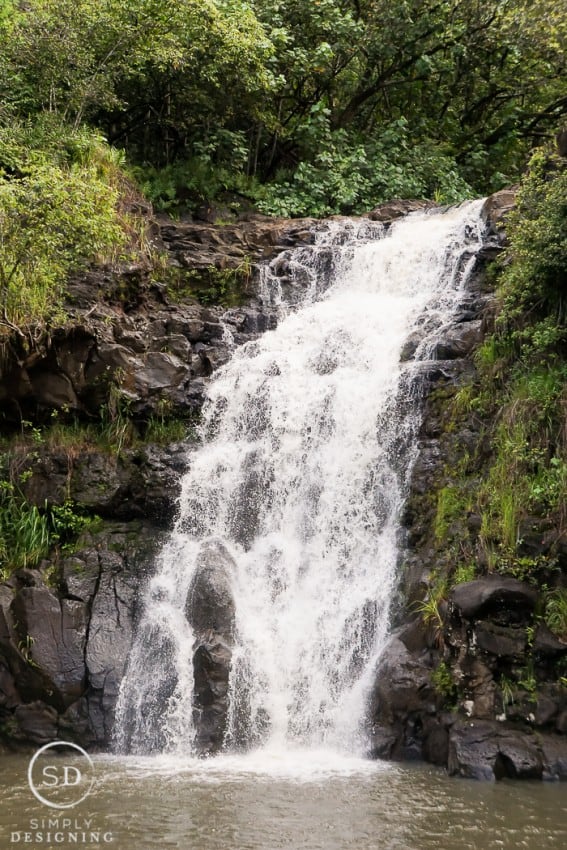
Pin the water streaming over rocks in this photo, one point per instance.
(270, 603)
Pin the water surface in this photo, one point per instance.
(302, 801)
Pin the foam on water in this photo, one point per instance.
(287, 764)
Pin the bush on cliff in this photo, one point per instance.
(516, 484)
(59, 209)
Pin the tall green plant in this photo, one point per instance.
(25, 534)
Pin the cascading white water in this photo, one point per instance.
(307, 448)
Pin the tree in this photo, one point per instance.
(323, 106)
(478, 79)
(155, 75)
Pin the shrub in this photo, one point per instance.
(59, 192)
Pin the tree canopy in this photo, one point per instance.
(317, 107)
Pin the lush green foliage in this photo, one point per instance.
(444, 684)
(58, 209)
(526, 362)
(28, 534)
(521, 395)
(307, 108)
(25, 536)
(348, 173)
(556, 612)
(534, 287)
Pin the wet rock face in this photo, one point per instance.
(137, 483)
(477, 689)
(491, 630)
(153, 359)
(493, 595)
(459, 341)
(198, 245)
(396, 209)
(127, 333)
(63, 648)
(210, 611)
(210, 604)
(211, 664)
(484, 733)
(488, 750)
(403, 693)
(51, 634)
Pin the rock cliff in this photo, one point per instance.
(472, 679)
(83, 404)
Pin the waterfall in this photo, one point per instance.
(307, 443)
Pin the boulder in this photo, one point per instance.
(402, 693)
(411, 345)
(483, 750)
(459, 340)
(502, 641)
(491, 595)
(210, 604)
(211, 663)
(156, 373)
(497, 206)
(396, 209)
(210, 611)
(53, 390)
(52, 634)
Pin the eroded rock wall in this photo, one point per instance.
(66, 627)
(472, 678)
(135, 348)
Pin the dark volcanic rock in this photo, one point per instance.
(493, 594)
(402, 693)
(37, 722)
(210, 604)
(396, 209)
(63, 653)
(205, 245)
(554, 751)
(143, 482)
(211, 662)
(483, 750)
(52, 636)
(502, 641)
(459, 341)
(109, 641)
(210, 611)
(498, 206)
